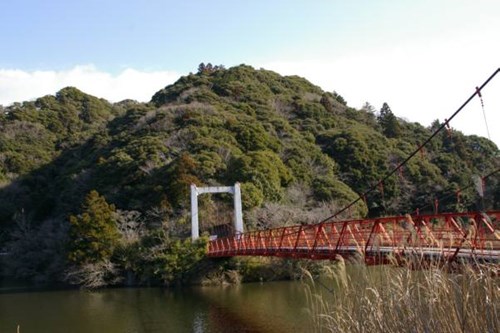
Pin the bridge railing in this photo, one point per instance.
(451, 234)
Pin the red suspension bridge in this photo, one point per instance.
(445, 236)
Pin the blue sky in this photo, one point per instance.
(179, 34)
(164, 34)
(422, 57)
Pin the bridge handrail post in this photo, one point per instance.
(341, 236)
(374, 227)
(282, 237)
(320, 228)
(298, 237)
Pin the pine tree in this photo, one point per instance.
(389, 122)
(93, 234)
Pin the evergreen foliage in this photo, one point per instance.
(272, 133)
(93, 234)
(389, 122)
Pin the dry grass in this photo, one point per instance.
(394, 299)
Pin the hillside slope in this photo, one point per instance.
(299, 152)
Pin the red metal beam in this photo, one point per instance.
(435, 235)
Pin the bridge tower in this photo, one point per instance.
(238, 212)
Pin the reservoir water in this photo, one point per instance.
(253, 307)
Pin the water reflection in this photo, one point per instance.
(271, 307)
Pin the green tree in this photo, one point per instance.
(339, 98)
(165, 260)
(265, 170)
(181, 176)
(93, 234)
(389, 122)
(360, 155)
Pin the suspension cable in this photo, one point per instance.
(445, 124)
(484, 112)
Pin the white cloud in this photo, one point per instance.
(19, 85)
(420, 82)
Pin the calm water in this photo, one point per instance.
(255, 307)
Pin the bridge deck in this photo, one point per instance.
(472, 235)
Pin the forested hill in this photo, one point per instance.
(299, 152)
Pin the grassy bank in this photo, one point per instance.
(389, 299)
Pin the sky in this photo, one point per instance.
(424, 58)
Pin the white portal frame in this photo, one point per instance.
(238, 212)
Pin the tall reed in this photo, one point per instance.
(401, 299)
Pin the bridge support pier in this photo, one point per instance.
(238, 212)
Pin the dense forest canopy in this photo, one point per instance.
(75, 167)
